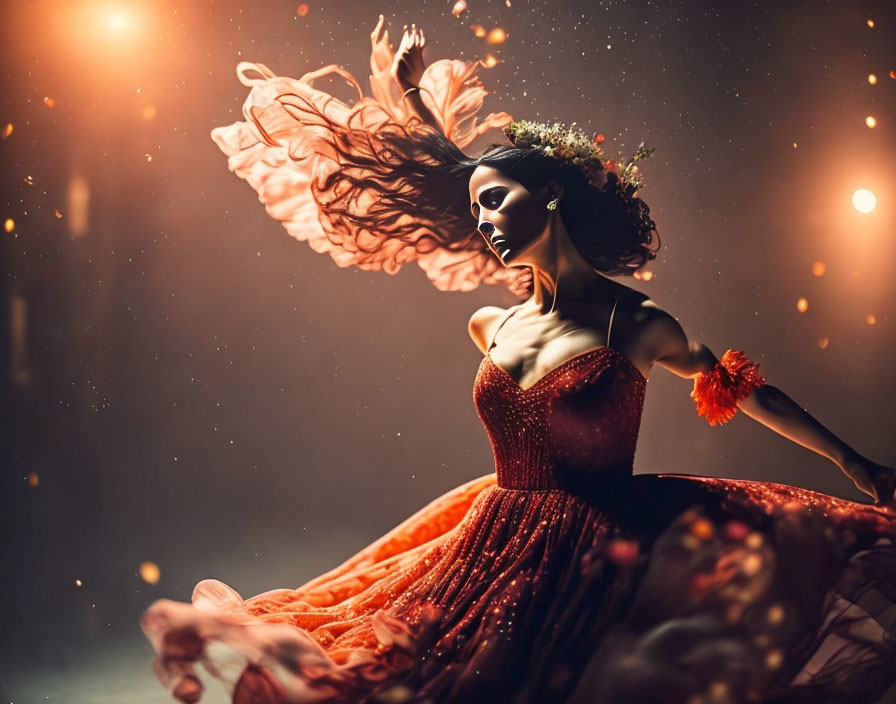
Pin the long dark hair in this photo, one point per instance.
(406, 188)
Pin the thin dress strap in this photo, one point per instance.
(612, 313)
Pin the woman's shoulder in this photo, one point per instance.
(483, 323)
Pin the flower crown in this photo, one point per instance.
(573, 146)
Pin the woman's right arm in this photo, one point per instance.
(407, 69)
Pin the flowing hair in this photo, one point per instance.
(374, 187)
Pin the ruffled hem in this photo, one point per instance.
(689, 586)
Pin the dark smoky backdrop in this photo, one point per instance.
(190, 392)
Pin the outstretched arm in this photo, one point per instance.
(407, 69)
(770, 406)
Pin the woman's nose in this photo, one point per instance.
(486, 228)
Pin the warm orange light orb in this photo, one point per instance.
(118, 21)
(870, 121)
(818, 268)
(150, 572)
(802, 305)
(872, 79)
(863, 200)
(496, 36)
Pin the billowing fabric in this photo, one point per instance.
(307, 153)
(563, 577)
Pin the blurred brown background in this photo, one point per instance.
(187, 386)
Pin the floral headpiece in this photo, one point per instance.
(573, 146)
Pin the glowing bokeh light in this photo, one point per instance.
(9, 224)
(870, 319)
(459, 8)
(150, 572)
(478, 30)
(872, 79)
(870, 121)
(863, 200)
(496, 36)
(7, 130)
(802, 305)
(302, 10)
(818, 268)
(118, 21)
(823, 343)
(490, 61)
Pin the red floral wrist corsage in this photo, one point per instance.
(717, 391)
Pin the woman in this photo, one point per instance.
(560, 576)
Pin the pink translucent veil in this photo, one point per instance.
(295, 136)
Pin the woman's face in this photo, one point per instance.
(510, 218)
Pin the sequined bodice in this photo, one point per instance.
(575, 428)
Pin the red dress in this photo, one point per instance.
(563, 577)
(560, 576)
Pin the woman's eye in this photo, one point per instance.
(494, 199)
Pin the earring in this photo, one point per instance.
(553, 204)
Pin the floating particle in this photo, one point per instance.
(478, 30)
(870, 319)
(870, 23)
(774, 658)
(623, 551)
(490, 61)
(818, 268)
(78, 583)
(754, 540)
(507, 2)
(645, 275)
(49, 102)
(7, 130)
(302, 10)
(794, 145)
(33, 479)
(775, 613)
(496, 36)
(29, 180)
(892, 74)
(702, 528)
(870, 121)
(823, 343)
(802, 305)
(751, 565)
(872, 79)
(58, 214)
(148, 112)
(150, 572)
(148, 157)
(459, 7)
(9, 224)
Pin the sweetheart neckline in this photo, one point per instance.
(526, 389)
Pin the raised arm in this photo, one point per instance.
(761, 401)
(407, 69)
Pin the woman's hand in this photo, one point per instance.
(876, 480)
(408, 66)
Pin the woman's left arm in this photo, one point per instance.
(735, 383)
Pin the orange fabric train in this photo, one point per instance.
(563, 577)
